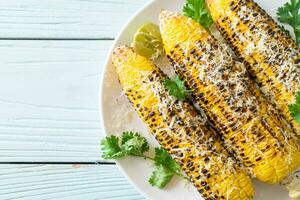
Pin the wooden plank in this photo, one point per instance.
(49, 100)
(88, 182)
(65, 18)
(97, 182)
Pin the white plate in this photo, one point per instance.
(117, 115)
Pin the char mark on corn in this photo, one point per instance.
(251, 128)
(177, 126)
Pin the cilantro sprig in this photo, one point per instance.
(295, 109)
(176, 88)
(133, 144)
(165, 168)
(197, 10)
(289, 13)
(130, 144)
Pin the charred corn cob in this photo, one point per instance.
(271, 56)
(222, 88)
(178, 128)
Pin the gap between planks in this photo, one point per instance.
(60, 39)
(59, 163)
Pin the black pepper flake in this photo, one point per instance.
(189, 164)
(192, 51)
(258, 159)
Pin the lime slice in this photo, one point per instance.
(147, 41)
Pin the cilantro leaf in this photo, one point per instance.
(161, 176)
(289, 13)
(134, 143)
(131, 144)
(163, 158)
(295, 108)
(165, 168)
(197, 10)
(111, 148)
(176, 88)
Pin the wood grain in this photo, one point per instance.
(43, 182)
(81, 19)
(49, 83)
(49, 100)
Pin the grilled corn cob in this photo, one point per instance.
(250, 129)
(271, 56)
(178, 128)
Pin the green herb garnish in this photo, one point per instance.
(130, 144)
(161, 176)
(163, 158)
(197, 10)
(111, 148)
(133, 144)
(289, 13)
(176, 88)
(165, 168)
(295, 109)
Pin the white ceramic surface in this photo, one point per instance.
(117, 115)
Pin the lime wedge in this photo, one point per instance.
(147, 41)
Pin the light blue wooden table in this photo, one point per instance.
(52, 54)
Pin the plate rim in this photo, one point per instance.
(107, 62)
